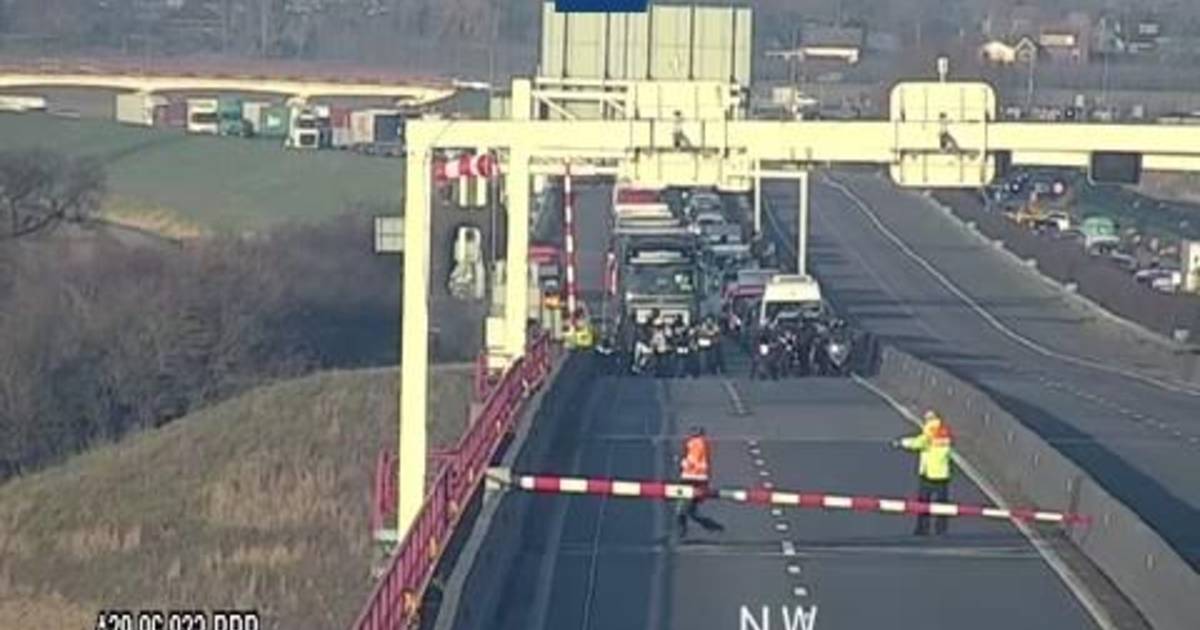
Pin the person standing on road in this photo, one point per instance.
(694, 470)
(933, 444)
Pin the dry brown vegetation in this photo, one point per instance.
(259, 502)
(102, 338)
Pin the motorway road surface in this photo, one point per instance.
(592, 563)
(1141, 441)
(597, 563)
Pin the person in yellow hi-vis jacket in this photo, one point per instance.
(583, 336)
(934, 445)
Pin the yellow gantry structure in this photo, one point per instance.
(938, 134)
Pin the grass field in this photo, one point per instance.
(258, 502)
(171, 182)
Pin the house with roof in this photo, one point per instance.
(826, 43)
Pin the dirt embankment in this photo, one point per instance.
(259, 502)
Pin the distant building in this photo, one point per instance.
(1026, 50)
(826, 43)
(1063, 47)
(998, 53)
(1143, 36)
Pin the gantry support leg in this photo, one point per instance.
(414, 355)
(516, 288)
(758, 197)
(802, 226)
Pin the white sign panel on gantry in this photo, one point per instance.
(943, 129)
(667, 43)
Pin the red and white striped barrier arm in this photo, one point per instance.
(466, 165)
(569, 250)
(762, 496)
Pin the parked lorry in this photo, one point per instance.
(377, 131)
(274, 121)
(252, 112)
(202, 117)
(230, 121)
(21, 103)
(309, 127)
(138, 108)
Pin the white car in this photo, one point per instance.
(790, 295)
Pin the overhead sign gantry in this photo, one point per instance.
(939, 134)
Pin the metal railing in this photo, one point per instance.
(396, 600)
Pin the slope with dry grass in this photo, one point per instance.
(258, 502)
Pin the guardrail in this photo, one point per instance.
(1138, 561)
(395, 601)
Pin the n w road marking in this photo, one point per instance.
(791, 617)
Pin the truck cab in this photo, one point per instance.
(658, 274)
(788, 296)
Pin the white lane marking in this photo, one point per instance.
(781, 526)
(759, 462)
(788, 548)
(992, 321)
(800, 591)
(764, 473)
(1065, 573)
(594, 562)
(776, 511)
(739, 405)
(767, 485)
(793, 569)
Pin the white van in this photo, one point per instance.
(790, 295)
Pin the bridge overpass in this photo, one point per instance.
(213, 79)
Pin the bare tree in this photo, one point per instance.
(39, 188)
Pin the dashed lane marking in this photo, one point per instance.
(793, 569)
(800, 591)
(789, 548)
(735, 397)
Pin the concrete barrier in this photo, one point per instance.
(1155, 579)
(470, 593)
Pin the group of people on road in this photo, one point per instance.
(669, 349)
(933, 444)
(799, 349)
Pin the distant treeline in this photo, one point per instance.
(99, 338)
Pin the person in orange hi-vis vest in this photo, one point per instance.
(694, 469)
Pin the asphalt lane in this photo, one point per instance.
(594, 563)
(604, 563)
(1140, 441)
